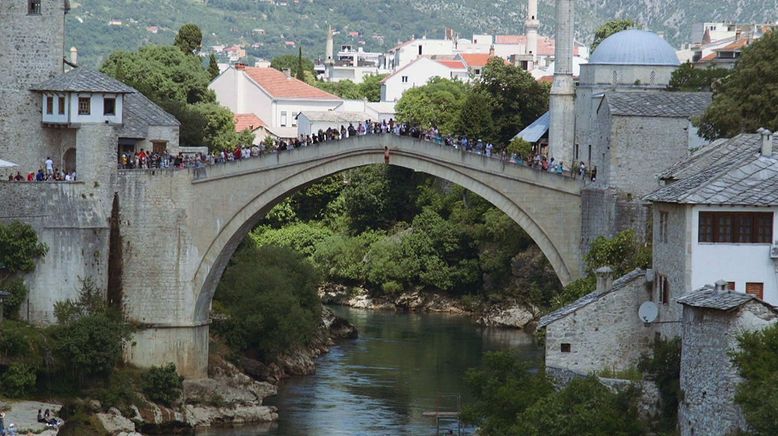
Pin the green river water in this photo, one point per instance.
(380, 384)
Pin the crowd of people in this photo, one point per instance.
(46, 173)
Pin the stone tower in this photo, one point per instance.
(330, 51)
(562, 100)
(531, 26)
(32, 43)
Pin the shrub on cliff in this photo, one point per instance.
(757, 361)
(162, 384)
(18, 380)
(268, 296)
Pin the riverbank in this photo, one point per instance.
(511, 314)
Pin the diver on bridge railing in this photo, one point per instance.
(536, 160)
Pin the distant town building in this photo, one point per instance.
(418, 73)
(253, 124)
(275, 97)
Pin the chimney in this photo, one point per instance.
(491, 51)
(721, 286)
(240, 67)
(604, 278)
(73, 55)
(767, 141)
(288, 73)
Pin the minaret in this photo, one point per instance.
(329, 56)
(531, 28)
(562, 100)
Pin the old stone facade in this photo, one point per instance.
(601, 331)
(31, 51)
(712, 320)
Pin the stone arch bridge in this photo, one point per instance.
(173, 232)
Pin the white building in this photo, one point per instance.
(418, 73)
(717, 218)
(309, 123)
(273, 96)
(407, 52)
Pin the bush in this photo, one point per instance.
(91, 345)
(162, 384)
(300, 237)
(757, 362)
(664, 366)
(18, 291)
(18, 380)
(520, 147)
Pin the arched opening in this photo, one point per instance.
(69, 160)
(494, 188)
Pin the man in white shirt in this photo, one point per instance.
(49, 166)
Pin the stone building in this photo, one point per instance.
(712, 320)
(602, 330)
(147, 126)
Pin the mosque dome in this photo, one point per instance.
(634, 47)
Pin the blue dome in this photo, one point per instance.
(634, 47)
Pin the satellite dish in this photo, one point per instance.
(648, 312)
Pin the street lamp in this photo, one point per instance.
(3, 296)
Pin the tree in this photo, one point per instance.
(436, 104)
(520, 147)
(475, 117)
(747, 99)
(189, 39)
(345, 89)
(757, 362)
(300, 73)
(213, 66)
(162, 384)
(690, 78)
(370, 88)
(19, 250)
(246, 137)
(219, 128)
(293, 64)
(609, 28)
(518, 99)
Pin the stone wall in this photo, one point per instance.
(672, 259)
(607, 211)
(708, 377)
(606, 334)
(31, 51)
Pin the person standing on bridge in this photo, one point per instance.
(386, 155)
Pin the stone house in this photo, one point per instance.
(716, 218)
(602, 330)
(712, 320)
(147, 126)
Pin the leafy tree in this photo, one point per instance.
(18, 380)
(268, 296)
(344, 89)
(747, 99)
(19, 248)
(213, 66)
(162, 384)
(219, 128)
(609, 28)
(377, 197)
(300, 237)
(690, 78)
(436, 104)
(293, 63)
(189, 39)
(584, 406)
(664, 366)
(520, 147)
(503, 388)
(370, 88)
(518, 99)
(245, 138)
(757, 361)
(475, 118)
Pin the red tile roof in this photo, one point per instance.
(247, 121)
(453, 64)
(278, 85)
(737, 45)
(709, 57)
(546, 79)
(476, 60)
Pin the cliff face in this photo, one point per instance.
(98, 27)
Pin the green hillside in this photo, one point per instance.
(380, 24)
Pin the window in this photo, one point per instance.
(61, 101)
(294, 119)
(34, 7)
(49, 105)
(662, 289)
(755, 289)
(405, 79)
(109, 106)
(420, 50)
(477, 71)
(739, 227)
(84, 106)
(283, 119)
(663, 218)
(730, 286)
(565, 348)
(576, 151)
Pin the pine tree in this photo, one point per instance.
(213, 66)
(300, 70)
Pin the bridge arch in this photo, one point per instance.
(546, 206)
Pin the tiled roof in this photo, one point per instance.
(590, 298)
(84, 80)
(247, 121)
(658, 103)
(737, 45)
(138, 113)
(476, 60)
(710, 298)
(453, 64)
(278, 85)
(727, 172)
(547, 79)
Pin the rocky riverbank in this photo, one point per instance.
(508, 314)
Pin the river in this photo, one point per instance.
(401, 366)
